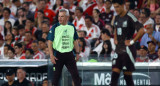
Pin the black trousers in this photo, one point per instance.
(68, 60)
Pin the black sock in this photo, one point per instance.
(129, 80)
(114, 79)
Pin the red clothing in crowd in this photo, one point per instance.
(47, 13)
(39, 55)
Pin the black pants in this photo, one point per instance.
(68, 60)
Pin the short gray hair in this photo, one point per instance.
(64, 10)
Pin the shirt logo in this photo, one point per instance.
(46, 14)
(50, 31)
(125, 24)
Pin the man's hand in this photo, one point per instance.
(127, 42)
(53, 59)
(77, 57)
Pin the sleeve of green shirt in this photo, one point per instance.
(51, 33)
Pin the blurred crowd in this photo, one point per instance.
(24, 26)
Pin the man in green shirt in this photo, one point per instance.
(62, 38)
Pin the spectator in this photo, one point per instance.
(45, 82)
(46, 52)
(158, 53)
(11, 53)
(19, 51)
(21, 78)
(79, 19)
(105, 35)
(7, 28)
(21, 15)
(6, 47)
(37, 54)
(1, 10)
(29, 14)
(10, 39)
(151, 50)
(1, 47)
(21, 31)
(29, 26)
(93, 31)
(15, 33)
(136, 13)
(108, 14)
(15, 5)
(150, 35)
(47, 12)
(29, 54)
(157, 22)
(10, 76)
(84, 50)
(58, 5)
(145, 17)
(39, 19)
(45, 27)
(28, 39)
(143, 54)
(96, 20)
(106, 51)
(100, 6)
(6, 17)
(42, 44)
(152, 5)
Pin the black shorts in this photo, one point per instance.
(125, 61)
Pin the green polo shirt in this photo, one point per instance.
(63, 37)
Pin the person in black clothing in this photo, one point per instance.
(21, 76)
(10, 75)
(123, 60)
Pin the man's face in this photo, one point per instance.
(10, 78)
(21, 32)
(25, 7)
(103, 36)
(6, 14)
(142, 18)
(28, 23)
(127, 4)
(10, 54)
(42, 45)
(78, 13)
(88, 23)
(151, 47)
(42, 5)
(28, 36)
(34, 47)
(118, 8)
(136, 13)
(21, 74)
(17, 49)
(45, 28)
(157, 19)
(143, 53)
(62, 18)
(20, 13)
(108, 5)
